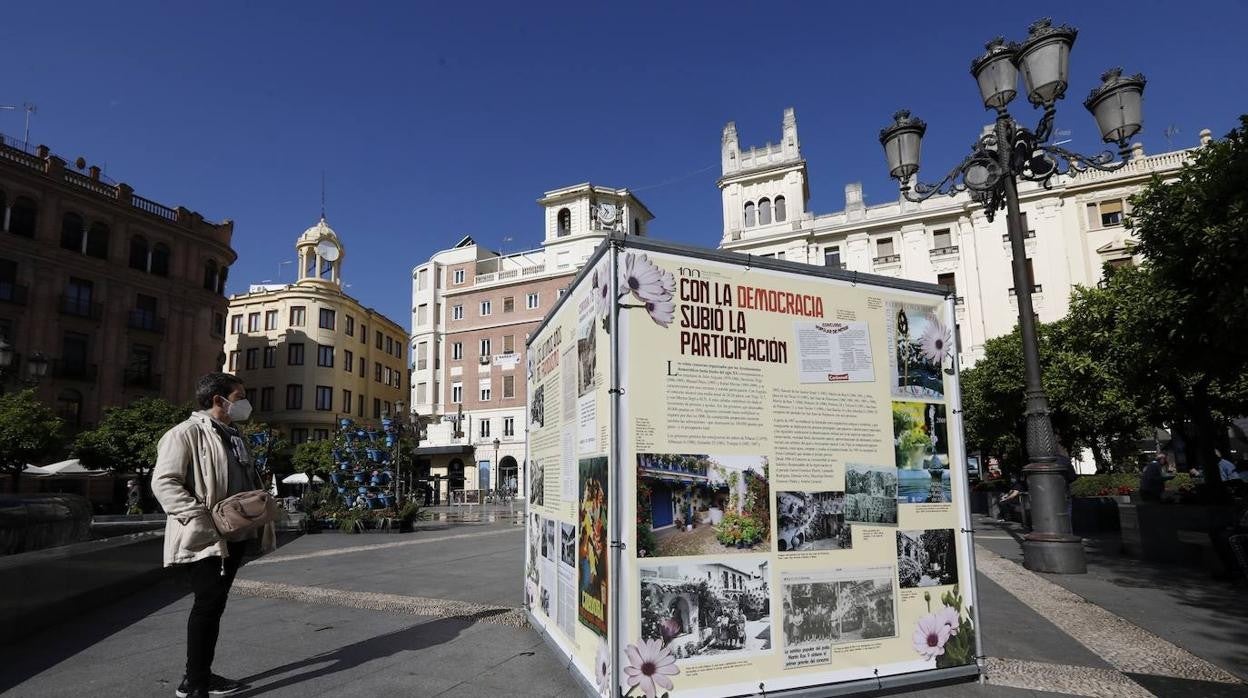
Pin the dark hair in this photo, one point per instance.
(214, 384)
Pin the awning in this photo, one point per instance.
(444, 450)
(71, 467)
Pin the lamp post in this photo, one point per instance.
(398, 450)
(990, 175)
(497, 473)
(6, 361)
(36, 368)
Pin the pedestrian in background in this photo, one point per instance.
(200, 462)
(1225, 467)
(1153, 479)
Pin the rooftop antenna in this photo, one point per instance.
(30, 109)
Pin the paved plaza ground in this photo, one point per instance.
(434, 613)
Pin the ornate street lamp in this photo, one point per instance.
(990, 176)
(37, 368)
(398, 450)
(498, 474)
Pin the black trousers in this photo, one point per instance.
(211, 579)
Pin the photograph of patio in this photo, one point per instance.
(710, 608)
(690, 504)
(812, 521)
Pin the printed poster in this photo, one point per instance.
(834, 352)
(592, 549)
(797, 517)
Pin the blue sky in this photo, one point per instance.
(436, 120)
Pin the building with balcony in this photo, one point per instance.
(309, 353)
(115, 296)
(1073, 229)
(472, 311)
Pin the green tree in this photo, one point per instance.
(1193, 234)
(1092, 404)
(125, 440)
(314, 457)
(29, 431)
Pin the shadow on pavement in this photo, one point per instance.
(1221, 619)
(416, 637)
(1168, 686)
(57, 643)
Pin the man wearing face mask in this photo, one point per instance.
(200, 462)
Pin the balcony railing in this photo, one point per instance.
(141, 379)
(146, 320)
(1038, 288)
(74, 370)
(13, 293)
(81, 307)
(938, 251)
(155, 209)
(888, 259)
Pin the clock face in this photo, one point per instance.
(328, 251)
(606, 213)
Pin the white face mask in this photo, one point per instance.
(238, 411)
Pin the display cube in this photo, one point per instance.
(747, 475)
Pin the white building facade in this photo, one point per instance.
(472, 311)
(1074, 228)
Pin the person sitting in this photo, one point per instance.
(1153, 479)
(1012, 501)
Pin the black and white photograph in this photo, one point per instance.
(845, 606)
(537, 483)
(544, 600)
(535, 542)
(586, 358)
(871, 494)
(537, 407)
(700, 609)
(548, 539)
(926, 558)
(567, 544)
(811, 521)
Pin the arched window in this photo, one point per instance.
(309, 265)
(138, 253)
(780, 212)
(210, 275)
(97, 240)
(749, 215)
(72, 229)
(221, 278)
(160, 259)
(636, 226)
(24, 217)
(764, 211)
(327, 268)
(69, 407)
(564, 220)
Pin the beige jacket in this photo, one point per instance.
(190, 462)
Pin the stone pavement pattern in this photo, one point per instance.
(434, 614)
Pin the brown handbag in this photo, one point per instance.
(237, 516)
